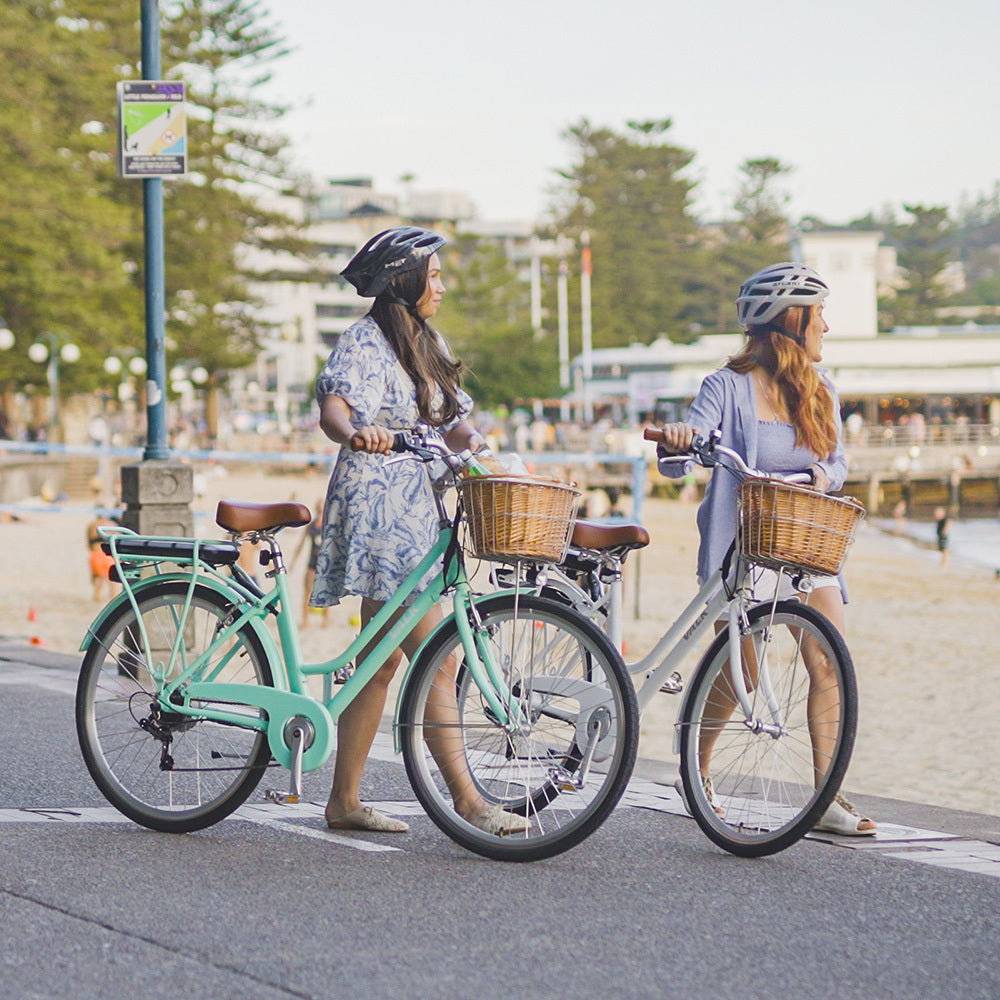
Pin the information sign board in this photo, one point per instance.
(153, 129)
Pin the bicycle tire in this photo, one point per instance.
(166, 771)
(568, 680)
(766, 782)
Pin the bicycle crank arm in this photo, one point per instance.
(597, 725)
(299, 735)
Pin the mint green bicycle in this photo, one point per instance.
(186, 697)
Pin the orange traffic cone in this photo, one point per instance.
(33, 617)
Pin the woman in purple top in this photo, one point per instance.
(782, 414)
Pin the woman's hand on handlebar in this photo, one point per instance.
(375, 440)
(820, 480)
(675, 438)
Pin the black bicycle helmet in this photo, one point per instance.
(779, 287)
(387, 254)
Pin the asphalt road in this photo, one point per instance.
(268, 904)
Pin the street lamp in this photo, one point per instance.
(49, 348)
(6, 336)
(113, 366)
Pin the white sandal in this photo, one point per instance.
(842, 818)
(499, 822)
(706, 783)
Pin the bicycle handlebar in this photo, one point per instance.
(708, 452)
(427, 445)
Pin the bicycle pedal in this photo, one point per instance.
(673, 684)
(281, 798)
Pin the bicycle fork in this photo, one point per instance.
(486, 673)
(739, 626)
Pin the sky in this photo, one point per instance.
(874, 103)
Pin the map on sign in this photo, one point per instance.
(153, 128)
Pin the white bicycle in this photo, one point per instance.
(766, 725)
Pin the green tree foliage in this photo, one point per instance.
(627, 191)
(65, 232)
(979, 248)
(223, 50)
(71, 261)
(925, 245)
(756, 235)
(486, 319)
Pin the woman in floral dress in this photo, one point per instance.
(389, 371)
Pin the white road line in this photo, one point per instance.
(327, 835)
(901, 843)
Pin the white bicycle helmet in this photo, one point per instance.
(779, 287)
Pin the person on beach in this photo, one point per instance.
(941, 527)
(390, 371)
(782, 415)
(312, 536)
(98, 560)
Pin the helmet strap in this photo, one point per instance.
(777, 328)
(410, 307)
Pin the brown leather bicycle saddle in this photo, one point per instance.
(587, 535)
(244, 517)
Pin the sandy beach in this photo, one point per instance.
(922, 637)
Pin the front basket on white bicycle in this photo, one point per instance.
(519, 517)
(786, 526)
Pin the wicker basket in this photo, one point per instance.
(795, 527)
(519, 517)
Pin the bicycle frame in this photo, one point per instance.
(711, 604)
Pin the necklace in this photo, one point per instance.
(769, 397)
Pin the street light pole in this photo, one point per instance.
(152, 194)
(49, 348)
(157, 493)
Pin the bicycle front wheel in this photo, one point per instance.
(757, 785)
(551, 782)
(167, 771)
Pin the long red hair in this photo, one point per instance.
(778, 348)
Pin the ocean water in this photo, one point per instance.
(974, 541)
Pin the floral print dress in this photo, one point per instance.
(380, 519)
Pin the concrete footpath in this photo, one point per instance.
(269, 903)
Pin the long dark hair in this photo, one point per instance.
(779, 348)
(418, 346)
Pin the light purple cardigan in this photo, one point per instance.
(727, 401)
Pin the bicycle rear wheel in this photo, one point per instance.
(167, 771)
(561, 774)
(771, 777)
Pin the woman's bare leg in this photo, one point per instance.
(359, 723)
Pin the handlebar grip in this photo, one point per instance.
(652, 434)
(399, 442)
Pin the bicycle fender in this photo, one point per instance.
(140, 587)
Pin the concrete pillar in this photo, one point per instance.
(874, 488)
(157, 495)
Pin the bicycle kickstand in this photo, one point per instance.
(299, 742)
